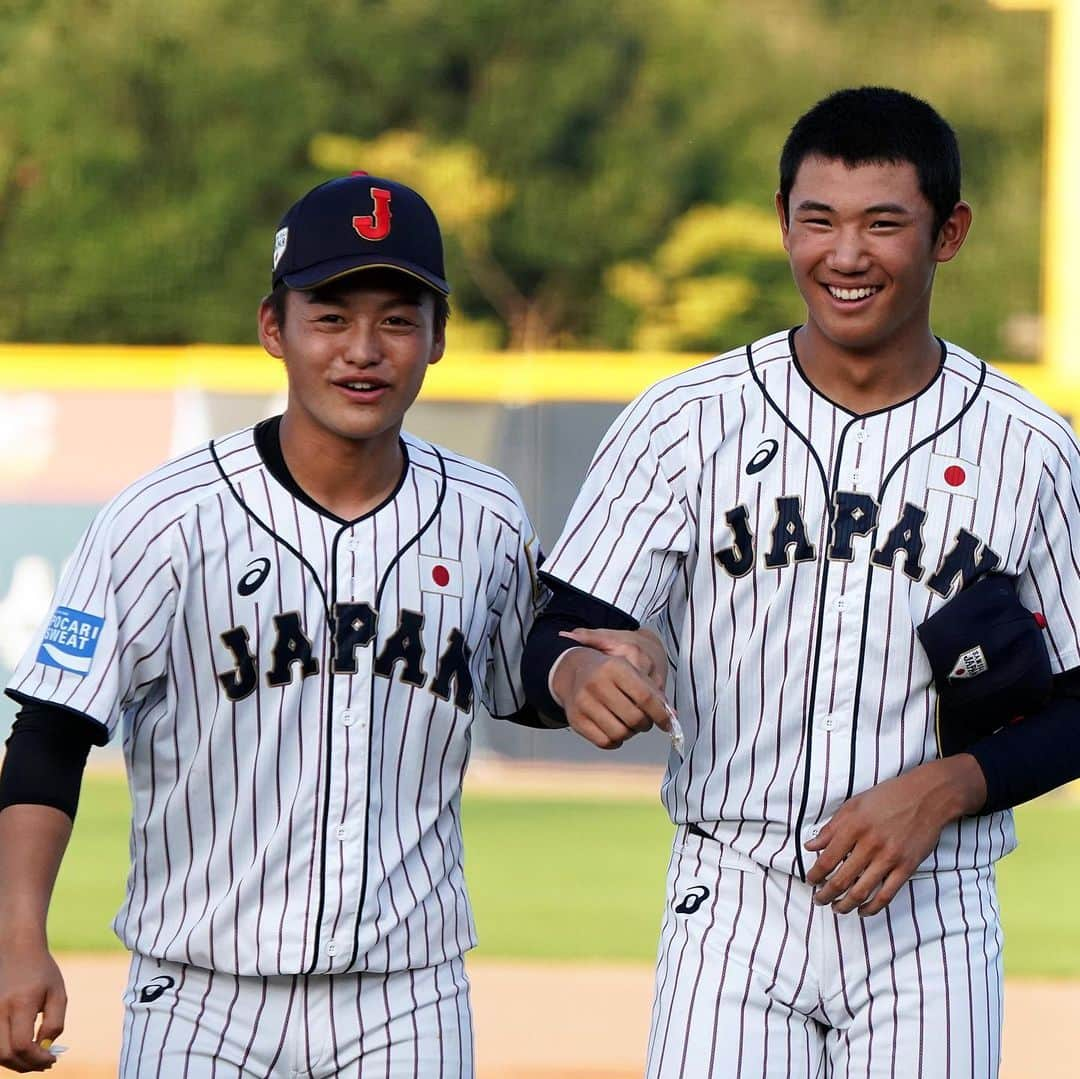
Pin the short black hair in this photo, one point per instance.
(877, 125)
(276, 298)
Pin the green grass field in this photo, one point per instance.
(565, 880)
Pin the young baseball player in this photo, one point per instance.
(289, 630)
(843, 529)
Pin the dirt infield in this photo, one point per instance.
(592, 1024)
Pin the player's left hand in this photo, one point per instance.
(877, 839)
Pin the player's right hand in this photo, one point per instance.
(606, 700)
(30, 985)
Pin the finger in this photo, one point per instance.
(593, 733)
(860, 891)
(636, 703)
(842, 878)
(646, 698)
(617, 728)
(832, 851)
(5, 1041)
(836, 865)
(24, 1050)
(53, 1015)
(822, 839)
(885, 894)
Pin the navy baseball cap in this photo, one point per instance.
(358, 222)
(990, 662)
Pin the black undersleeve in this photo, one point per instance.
(46, 756)
(1035, 755)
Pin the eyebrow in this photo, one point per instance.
(811, 206)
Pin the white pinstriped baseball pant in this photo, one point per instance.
(754, 981)
(412, 1024)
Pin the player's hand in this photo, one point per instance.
(606, 699)
(30, 985)
(877, 839)
(641, 648)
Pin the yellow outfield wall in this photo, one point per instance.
(513, 378)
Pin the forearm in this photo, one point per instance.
(1031, 757)
(33, 839)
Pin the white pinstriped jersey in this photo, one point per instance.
(294, 694)
(789, 548)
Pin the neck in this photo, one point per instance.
(349, 477)
(867, 381)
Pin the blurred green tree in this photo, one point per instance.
(147, 151)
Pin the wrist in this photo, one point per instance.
(560, 675)
(24, 935)
(964, 785)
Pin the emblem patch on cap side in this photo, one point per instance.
(375, 226)
(70, 640)
(969, 664)
(281, 238)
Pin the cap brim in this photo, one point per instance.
(323, 273)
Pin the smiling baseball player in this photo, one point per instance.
(289, 631)
(797, 513)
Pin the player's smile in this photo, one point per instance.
(850, 295)
(365, 391)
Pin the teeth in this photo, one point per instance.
(360, 385)
(851, 293)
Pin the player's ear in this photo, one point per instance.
(953, 232)
(270, 329)
(438, 344)
(781, 213)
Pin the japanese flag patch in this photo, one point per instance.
(70, 640)
(441, 575)
(953, 475)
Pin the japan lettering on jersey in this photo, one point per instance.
(294, 694)
(789, 549)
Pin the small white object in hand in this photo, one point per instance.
(678, 739)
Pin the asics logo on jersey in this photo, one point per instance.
(354, 627)
(855, 514)
(258, 571)
(154, 989)
(762, 456)
(692, 900)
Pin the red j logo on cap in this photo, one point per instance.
(375, 226)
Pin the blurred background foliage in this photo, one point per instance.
(604, 169)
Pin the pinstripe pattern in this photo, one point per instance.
(410, 1024)
(760, 983)
(820, 689)
(787, 550)
(299, 815)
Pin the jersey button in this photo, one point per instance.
(841, 604)
(331, 948)
(341, 833)
(814, 831)
(353, 543)
(861, 435)
(349, 717)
